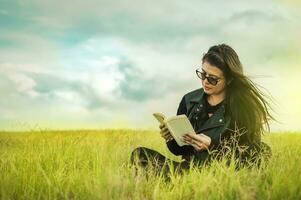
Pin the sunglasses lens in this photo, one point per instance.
(202, 76)
(212, 80)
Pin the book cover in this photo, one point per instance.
(177, 125)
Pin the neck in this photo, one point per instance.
(215, 99)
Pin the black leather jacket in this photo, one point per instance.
(193, 106)
(218, 127)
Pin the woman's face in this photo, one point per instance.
(213, 71)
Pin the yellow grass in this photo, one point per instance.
(94, 165)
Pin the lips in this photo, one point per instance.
(207, 88)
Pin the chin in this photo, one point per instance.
(208, 91)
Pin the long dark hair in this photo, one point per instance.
(245, 102)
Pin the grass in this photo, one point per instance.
(94, 165)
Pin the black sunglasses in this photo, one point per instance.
(211, 80)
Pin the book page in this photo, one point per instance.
(178, 126)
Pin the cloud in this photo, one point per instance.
(72, 23)
(102, 83)
(96, 59)
(24, 84)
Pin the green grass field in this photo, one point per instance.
(94, 165)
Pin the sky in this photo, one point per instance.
(111, 64)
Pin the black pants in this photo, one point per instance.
(150, 159)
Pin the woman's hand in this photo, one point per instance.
(165, 132)
(198, 141)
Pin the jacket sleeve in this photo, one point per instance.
(172, 144)
(215, 140)
(222, 134)
(204, 154)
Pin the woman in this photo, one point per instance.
(228, 113)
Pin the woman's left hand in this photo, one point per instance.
(198, 141)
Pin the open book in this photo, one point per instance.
(177, 125)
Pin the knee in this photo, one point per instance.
(138, 153)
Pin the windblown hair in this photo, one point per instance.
(245, 102)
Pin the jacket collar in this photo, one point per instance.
(217, 119)
(198, 97)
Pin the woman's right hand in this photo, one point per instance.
(165, 132)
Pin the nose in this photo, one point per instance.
(205, 82)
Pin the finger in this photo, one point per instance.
(166, 134)
(164, 129)
(197, 148)
(161, 126)
(170, 137)
(188, 140)
(202, 146)
(162, 134)
(201, 138)
(165, 137)
(205, 139)
(187, 134)
(199, 144)
(192, 136)
(193, 144)
(186, 137)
